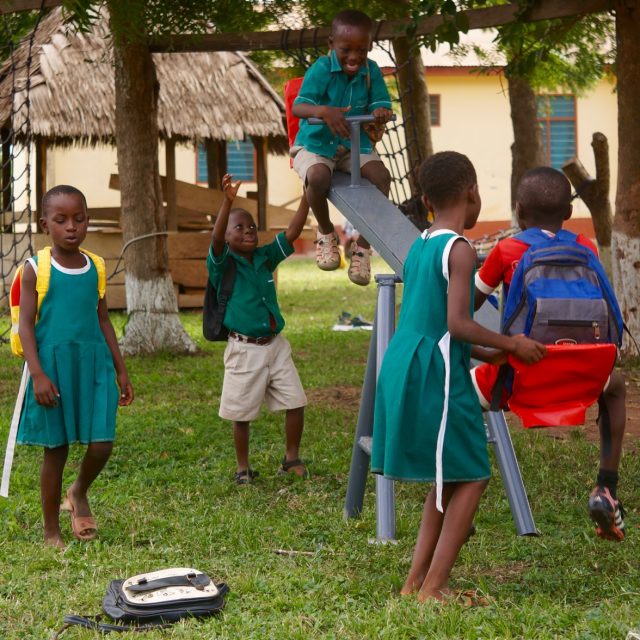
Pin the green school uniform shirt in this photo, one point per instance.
(253, 306)
(325, 83)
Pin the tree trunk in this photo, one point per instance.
(526, 150)
(414, 100)
(625, 241)
(153, 323)
(595, 194)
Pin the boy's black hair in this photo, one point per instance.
(544, 195)
(444, 176)
(351, 18)
(61, 189)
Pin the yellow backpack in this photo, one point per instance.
(43, 276)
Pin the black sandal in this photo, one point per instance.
(288, 467)
(245, 476)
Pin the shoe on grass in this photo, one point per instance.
(360, 267)
(245, 476)
(607, 514)
(327, 252)
(293, 467)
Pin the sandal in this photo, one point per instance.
(473, 598)
(246, 476)
(290, 466)
(83, 527)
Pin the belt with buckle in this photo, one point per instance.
(261, 340)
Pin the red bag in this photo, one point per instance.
(557, 390)
(291, 90)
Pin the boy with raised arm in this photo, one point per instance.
(344, 82)
(257, 359)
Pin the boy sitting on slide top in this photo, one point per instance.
(543, 200)
(344, 82)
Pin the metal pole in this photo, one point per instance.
(510, 471)
(355, 153)
(359, 455)
(385, 321)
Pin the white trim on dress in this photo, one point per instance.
(72, 272)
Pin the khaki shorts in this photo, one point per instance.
(303, 160)
(255, 373)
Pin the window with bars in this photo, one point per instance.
(240, 161)
(434, 110)
(557, 121)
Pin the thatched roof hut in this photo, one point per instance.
(217, 96)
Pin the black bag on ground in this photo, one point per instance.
(156, 599)
(215, 305)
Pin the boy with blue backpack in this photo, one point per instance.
(555, 291)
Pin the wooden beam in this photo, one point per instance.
(41, 174)
(216, 151)
(207, 201)
(169, 185)
(384, 30)
(260, 144)
(14, 6)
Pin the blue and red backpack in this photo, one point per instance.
(560, 293)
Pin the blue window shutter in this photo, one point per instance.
(557, 120)
(202, 175)
(240, 161)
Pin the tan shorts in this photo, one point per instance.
(253, 373)
(303, 160)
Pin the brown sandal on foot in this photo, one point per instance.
(290, 466)
(84, 528)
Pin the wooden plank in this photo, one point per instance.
(207, 201)
(116, 296)
(188, 273)
(105, 243)
(191, 300)
(309, 38)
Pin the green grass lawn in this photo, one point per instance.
(167, 498)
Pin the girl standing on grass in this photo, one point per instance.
(428, 425)
(74, 362)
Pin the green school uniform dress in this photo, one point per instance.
(428, 423)
(75, 356)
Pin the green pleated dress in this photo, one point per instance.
(428, 423)
(75, 356)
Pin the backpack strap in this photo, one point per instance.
(226, 288)
(93, 622)
(101, 269)
(43, 275)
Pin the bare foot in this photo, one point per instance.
(54, 540)
(441, 595)
(411, 586)
(78, 502)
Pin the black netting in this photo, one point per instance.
(16, 216)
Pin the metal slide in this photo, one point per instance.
(391, 234)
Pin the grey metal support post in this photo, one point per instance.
(385, 323)
(510, 471)
(355, 153)
(362, 441)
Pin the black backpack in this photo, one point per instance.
(215, 304)
(156, 599)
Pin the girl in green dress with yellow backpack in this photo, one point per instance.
(428, 424)
(74, 363)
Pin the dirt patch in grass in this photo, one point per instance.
(337, 397)
(507, 573)
(348, 397)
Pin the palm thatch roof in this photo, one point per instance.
(71, 91)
